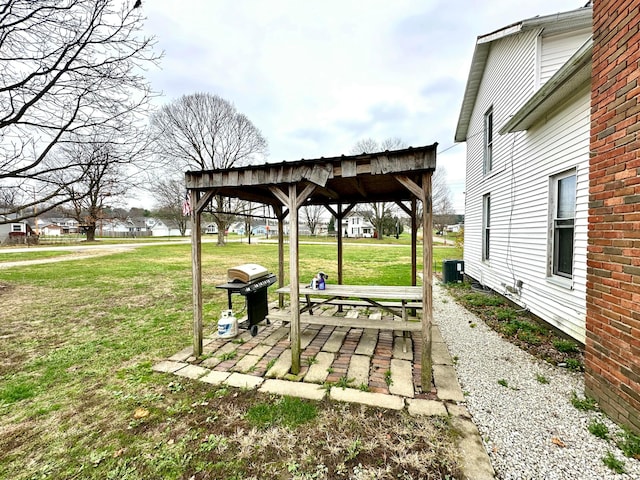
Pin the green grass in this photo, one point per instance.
(613, 463)
(482, 300)
(542, 379)
(585, 404)
(629, 443)
(599, 429)
(288, 412)
(35, 254)
(79, 339)
(565, 346)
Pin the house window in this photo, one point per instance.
(488, 141)
(563, 220)
(16, 227)
(486, 226)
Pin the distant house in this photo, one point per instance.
(355, 225)
(526, 120)
(50, 229)
(67, 224)
(15, 232)
(164, 228)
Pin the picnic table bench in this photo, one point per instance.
(393, 299)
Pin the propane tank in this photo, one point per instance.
(227, 325)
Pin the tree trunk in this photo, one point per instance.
(91, 233)
(222, 226)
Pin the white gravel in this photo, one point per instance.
(530, 429)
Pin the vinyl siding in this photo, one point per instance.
(555, 50)
(519, 186)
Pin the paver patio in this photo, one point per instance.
(354, 359)
(359, 365)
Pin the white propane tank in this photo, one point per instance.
(227, 325)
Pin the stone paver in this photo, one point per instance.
(276, 336)
(359, 370)
(192, 371)
(368, 342)
(293, 389)
(335, 342)
(458, 410)
(399, 345)
(440, 354)
(352, 395)
(282, 365)
(375, 316)
(436, 335)
(475, 461)
(260, 350)
(241, 380)
(247, 362)
(182, 355)
(318, 371)
(215, 378)
(352, 314)
(167, 366)
(401, 378)
(446, 380)
(418, 406)
(306, 337)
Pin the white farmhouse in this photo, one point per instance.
(525, 118)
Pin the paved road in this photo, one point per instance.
(88, 251)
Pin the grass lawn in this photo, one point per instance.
(78, 398)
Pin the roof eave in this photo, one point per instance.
(573, 73)
(555, 23)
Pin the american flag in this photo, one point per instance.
(186, 205)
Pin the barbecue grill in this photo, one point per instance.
(251, 281)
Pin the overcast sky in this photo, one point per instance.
(316, 77)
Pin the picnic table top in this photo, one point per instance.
(388, 292)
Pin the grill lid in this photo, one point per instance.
(246, 273)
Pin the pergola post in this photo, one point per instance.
(197, 206)
(427, 281)
(423, 192)
(196, 273)
(294, 280)
(280, 216)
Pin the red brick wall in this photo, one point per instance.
(612, 355)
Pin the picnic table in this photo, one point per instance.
(393, 299)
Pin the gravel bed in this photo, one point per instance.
(530, 429)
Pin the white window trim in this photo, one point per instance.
(487, 145)
(560, 280)
(486, 226)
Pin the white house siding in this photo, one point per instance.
(519, 188)
(555, 50)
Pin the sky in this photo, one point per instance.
(316, 77)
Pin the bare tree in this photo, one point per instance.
(312, 215)
(202, 131)
(378, 214)
(69, 67)
(101, 177)
(169, 195)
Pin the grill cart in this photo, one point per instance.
(251, 281)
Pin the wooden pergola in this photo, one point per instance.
(339, 184)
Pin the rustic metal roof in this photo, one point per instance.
(369, 177)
